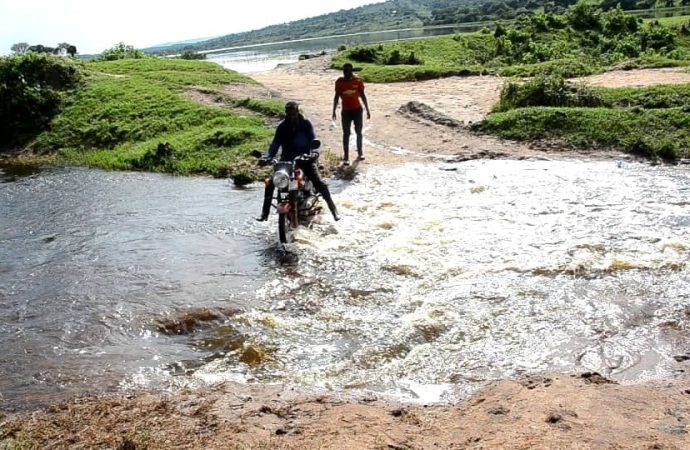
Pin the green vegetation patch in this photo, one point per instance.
(131, 116)
(651, 97)
(174, 73)
(217, 147)
(33, 88)
(112, 111)
(661, 132)
(651, 121)
(271, 107)
(463, 54)
(676, 21)
(580, 42)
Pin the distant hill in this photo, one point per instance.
(182, 43)
(391, 14)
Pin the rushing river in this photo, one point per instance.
(438, 279)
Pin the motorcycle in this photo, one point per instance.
(296, 200)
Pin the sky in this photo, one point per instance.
(93, 26)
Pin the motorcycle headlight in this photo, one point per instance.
(281, 180)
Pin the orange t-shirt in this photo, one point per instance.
(349, 91)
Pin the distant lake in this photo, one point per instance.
(262, 57)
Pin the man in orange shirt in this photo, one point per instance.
(350, 88)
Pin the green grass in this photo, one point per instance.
(555, 91)
(267, 106)
(129, 107)
(463, 54)
(676, 21)
(441, 57)
(652, 97)
(653, 133)
(651, 121)
(174, 73)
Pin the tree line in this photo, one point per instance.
(63, 48)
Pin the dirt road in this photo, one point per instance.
(397, 133)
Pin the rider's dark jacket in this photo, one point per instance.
(295, 139)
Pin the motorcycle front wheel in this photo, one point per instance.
(284, 231)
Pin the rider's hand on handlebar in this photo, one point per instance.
(313, 156)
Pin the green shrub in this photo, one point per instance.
(546, 91)
(120, 51)
(32, 88)
(192, 55)
(656, 37)
(396, 58)
(364, 54)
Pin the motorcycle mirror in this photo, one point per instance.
(255, 154)
(315, 144)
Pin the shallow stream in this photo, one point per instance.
(439, 278)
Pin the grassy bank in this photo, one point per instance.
(131, 115)
(581, 42)
(652, 122)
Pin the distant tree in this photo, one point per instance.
(669, 3)
(583, 16)
(41, 49)
(67, 48)
(20, 48)
(187, 54)
(120, 51)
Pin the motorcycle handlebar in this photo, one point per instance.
(308, 156)
(266, 161)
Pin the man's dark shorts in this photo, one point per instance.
(349, 117)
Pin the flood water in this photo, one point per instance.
(438, 279)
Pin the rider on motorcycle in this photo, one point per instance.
(295, 135)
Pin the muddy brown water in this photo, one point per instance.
(439, 278)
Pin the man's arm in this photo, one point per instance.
(273, 149)
(366, 104)
(310, 130)
(336, 97)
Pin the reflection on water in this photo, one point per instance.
(12, 172)
(434, 282)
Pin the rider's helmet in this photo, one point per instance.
(291, 106)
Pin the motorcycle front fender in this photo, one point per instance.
(284, 207)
